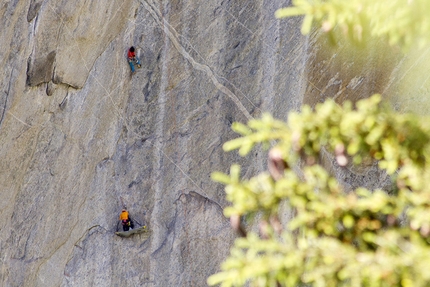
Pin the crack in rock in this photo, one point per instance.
(173, 36)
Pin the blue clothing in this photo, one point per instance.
(132, 62)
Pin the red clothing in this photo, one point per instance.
(131, 55)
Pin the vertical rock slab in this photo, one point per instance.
(85, 35)
(80, 137)
(70, 36)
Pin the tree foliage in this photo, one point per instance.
(403, 22)
(335, 238)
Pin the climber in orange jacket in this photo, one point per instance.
(125, 220)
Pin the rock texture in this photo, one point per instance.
(80, 136)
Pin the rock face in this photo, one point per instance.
(80, 137)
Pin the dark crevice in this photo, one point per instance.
(47, 90)
(40, 70)
(54, 68)
(207, 199)
(33, 10)
(7, 97)
(87, 234)
(28, 71)
(64, 101)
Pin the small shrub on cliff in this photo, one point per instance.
(361, 238)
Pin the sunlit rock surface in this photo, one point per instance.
(80, 137)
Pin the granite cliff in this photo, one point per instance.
(80, 137)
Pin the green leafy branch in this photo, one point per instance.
(362, 238)
(403, 23)
(325, 262)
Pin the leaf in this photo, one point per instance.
(340, 238)
(348, 221)
(369, 237)
(307, 24)
(220, 177)
(233, 144)
(217, 279)
(235, 172)
(246, 147)
(288, 12)
(241, 129)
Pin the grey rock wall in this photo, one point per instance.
(80, 137)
